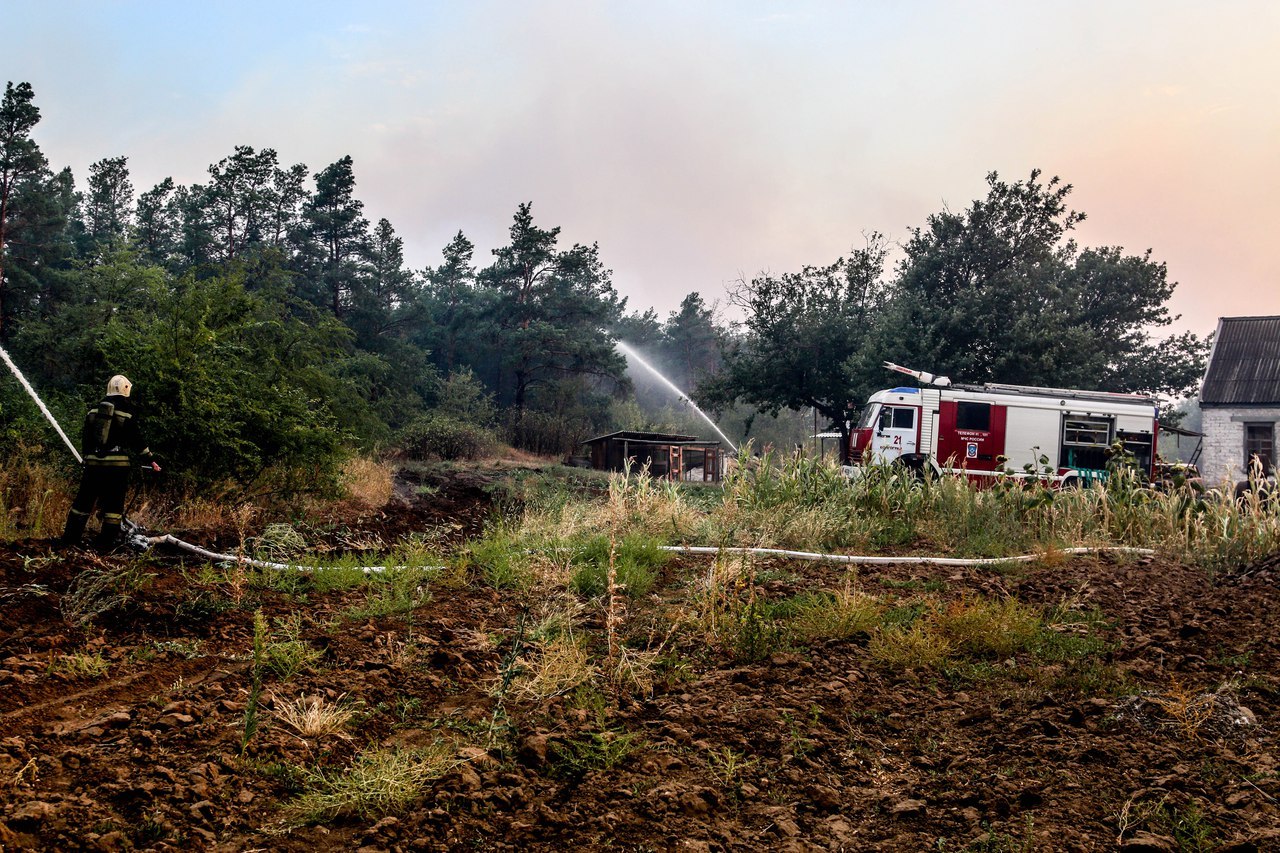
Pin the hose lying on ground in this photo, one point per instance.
(170, 539)
(887, 561)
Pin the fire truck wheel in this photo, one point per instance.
(912, 466)
(1071, 482)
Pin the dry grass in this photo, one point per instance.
(560, 665)
(212, 508)
(368, 481)
(314, 717)
(1185, 711)
(1189, 714)
(379, 782)
(634, 670)
(507, 453)
(918, 647)
(34, 496)
(985, 628)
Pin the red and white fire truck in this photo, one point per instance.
(983, 430)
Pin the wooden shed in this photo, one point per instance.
(669, 455)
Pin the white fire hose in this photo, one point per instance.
(168, 539)
(240, 559)
(889, 561)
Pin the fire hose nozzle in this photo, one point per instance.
(926, 378)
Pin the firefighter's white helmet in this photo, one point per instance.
(119, 385)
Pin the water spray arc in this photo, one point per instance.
(632, 354)
(43, 408)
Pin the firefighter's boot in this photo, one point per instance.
(74, 531)
(109, 535)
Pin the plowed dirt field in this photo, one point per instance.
(1162, 740)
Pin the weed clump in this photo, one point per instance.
(286, 654)
(984, 628)
(378, 783)
(394, 592)
(918, 646)
(602, 750)
(80, 665)
(835, 615)
(559, 665)
(501, 558)
(636, 560)
(279, 542)
(98, 591)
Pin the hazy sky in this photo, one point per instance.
(699, 142)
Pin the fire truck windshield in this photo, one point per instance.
(868, 416)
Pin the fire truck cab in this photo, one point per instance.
(983, 430)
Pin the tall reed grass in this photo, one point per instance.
(34, 495)
(803, 503)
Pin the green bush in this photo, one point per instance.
(439, 436)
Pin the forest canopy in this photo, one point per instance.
(270, 327)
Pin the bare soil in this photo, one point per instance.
(812, 748)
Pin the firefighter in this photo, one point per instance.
(109, 438)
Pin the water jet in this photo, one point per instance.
(632, 354)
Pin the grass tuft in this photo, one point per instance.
(560, 665)
(80, 665)
(378, 783)
(918, 646)
(985, 628)
(312, 716)
(835, 615)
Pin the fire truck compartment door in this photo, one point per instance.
(1136, 423)
(895, 434)
(1029, 434)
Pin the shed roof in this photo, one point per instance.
(635, 435)
(1244, 366)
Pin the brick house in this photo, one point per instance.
(1240, 398)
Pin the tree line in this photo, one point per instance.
(270, 327)
(997, 293)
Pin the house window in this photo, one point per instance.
(1259, 441)
(975, 416)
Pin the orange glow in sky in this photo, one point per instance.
(701, 142)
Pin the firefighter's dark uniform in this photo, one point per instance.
(109, 437)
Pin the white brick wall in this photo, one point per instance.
(1222, 456)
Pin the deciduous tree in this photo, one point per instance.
(1000, 293)
(802, 337)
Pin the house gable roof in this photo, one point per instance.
(1244, 367)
